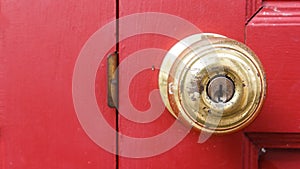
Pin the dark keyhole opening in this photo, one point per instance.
(220, 93)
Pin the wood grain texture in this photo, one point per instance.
(223, 17)
(3, 86)
(40, 42)
(274, 35)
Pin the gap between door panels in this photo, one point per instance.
(117, 52)
(253, 7)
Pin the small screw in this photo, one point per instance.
(263, 150)
(152, 68)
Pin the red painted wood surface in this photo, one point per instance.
(39, 43)
(280, 158)
(223, 17)
(271, 150)
(274, 34)
(252, 7)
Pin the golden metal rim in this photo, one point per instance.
(169, 60)
(176, 52)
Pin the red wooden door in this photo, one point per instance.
(284, 158)
(41, 40)
(271, 29)
(39, 44)
(274, 34)
(210, 16)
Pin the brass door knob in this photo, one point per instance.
(214, 83)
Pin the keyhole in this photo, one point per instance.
(220, 89)
(220, 93)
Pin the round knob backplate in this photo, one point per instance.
(215, 83)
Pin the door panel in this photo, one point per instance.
(280, 158)
(40, 42)
(224, 17)
(274, 34)
(271, 150)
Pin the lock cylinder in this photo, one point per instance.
(214, 83)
